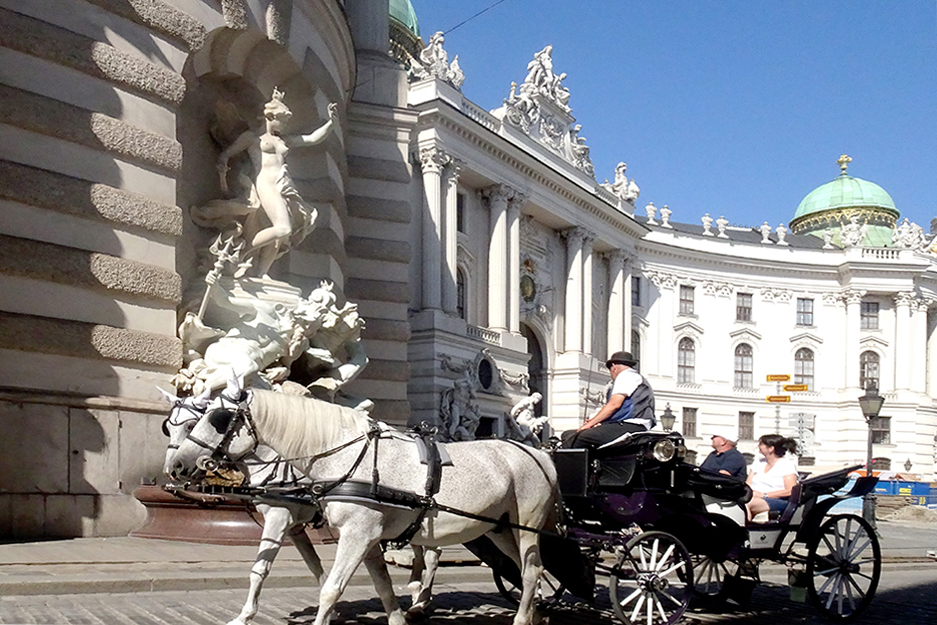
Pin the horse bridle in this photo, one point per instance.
(195, 415)
(240, 415)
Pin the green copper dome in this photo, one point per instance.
(402, 11)
(845, 191)
(830, 207)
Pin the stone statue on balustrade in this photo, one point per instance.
(910, 236)
(266, 211)
(459, 410)
(523, 424)
(625, 190)
(434, 63)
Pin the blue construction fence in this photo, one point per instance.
(923, 494)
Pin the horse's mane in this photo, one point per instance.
(299, 427)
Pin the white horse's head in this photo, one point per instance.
(222, 433)
(183, 415)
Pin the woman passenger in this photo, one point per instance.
(772, 477)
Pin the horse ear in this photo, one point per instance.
(220, 419)
(235, 384)
(167, 396)
(203, 400)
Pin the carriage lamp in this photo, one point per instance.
(871, 405)
(668, 418)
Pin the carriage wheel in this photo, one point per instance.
(549, 589)
(652, 581)
(709, 576)
(844, 563)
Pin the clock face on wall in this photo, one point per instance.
(528, 288)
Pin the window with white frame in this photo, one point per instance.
(743, 307)
(868, 315)
(881, 430)
(746, 426)
(686, 299)
(686, 361)
(744, 366)
(803, 367)
(689, 422)
(635, 291)
(869, 367)
(804, 311)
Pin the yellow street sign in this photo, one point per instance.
(779, 377)
(778, 399)
(793, 388)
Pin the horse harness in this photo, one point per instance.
(344, 488)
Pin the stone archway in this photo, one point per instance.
(538, 368)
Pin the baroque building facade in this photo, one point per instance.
(486, 259)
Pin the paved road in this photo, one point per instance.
(465, 596)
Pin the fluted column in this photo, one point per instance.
(450, 239)
(919, 346)
(574, 240)
(617, 296)
(498, 197)
(852, 300)
(432, 161)
(587, 276)
(514, 263)
(903, 347)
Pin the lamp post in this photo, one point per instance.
(871, 405)
(668, 418)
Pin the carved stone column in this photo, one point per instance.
(587, 276)
(574, 240)
(432, 161)
(617, 296)
(450, 239)
(514, 263)
(498, 197)
(903, 346)
(852, 300)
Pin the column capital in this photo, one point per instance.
(452, 169)
(433, 159)
(575, 234)
(904, 298)
(852, 296)
(498, 193)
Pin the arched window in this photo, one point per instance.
(460, 294)
(803, 367)
(744, 366)
(869, 369)
(686, 361)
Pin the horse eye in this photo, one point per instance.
(166, 428)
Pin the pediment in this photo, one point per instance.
(806, 337)
(688, 326)
(874, 340)
(745, 333)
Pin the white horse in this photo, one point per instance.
(281, 518)
(512, 487)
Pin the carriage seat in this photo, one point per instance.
(791, 515)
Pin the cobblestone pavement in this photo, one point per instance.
(464, 597)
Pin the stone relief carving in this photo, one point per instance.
(267, 213)
(459, 410)
(625, 190)
(595, 398)
(832, 299)
(776, 295)
(448, 363)
(722, 289)
(517, 381)
(540, 109)
(434, 63)
(661, 279)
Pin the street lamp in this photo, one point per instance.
(871, 405)
(668, 418)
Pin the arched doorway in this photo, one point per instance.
(537, 369)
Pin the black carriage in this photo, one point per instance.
(662, 531)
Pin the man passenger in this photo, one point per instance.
(725, 458)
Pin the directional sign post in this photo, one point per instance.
(778, 399)
(795, 388)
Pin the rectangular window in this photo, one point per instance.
(635, 291)
(689, 422)
(636, 346)
(743, 307)
(686, 299)
(460, 212)
(746, 426)
(881, 430)
(804, 311)
(868, 315)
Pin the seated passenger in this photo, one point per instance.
(725, 458)
(629, 407)
(772, 477)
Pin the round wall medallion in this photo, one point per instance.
(528, 288)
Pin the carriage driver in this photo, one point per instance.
(629, 407)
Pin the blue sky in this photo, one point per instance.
(731, 107)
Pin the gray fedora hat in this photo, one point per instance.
(622, 358)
